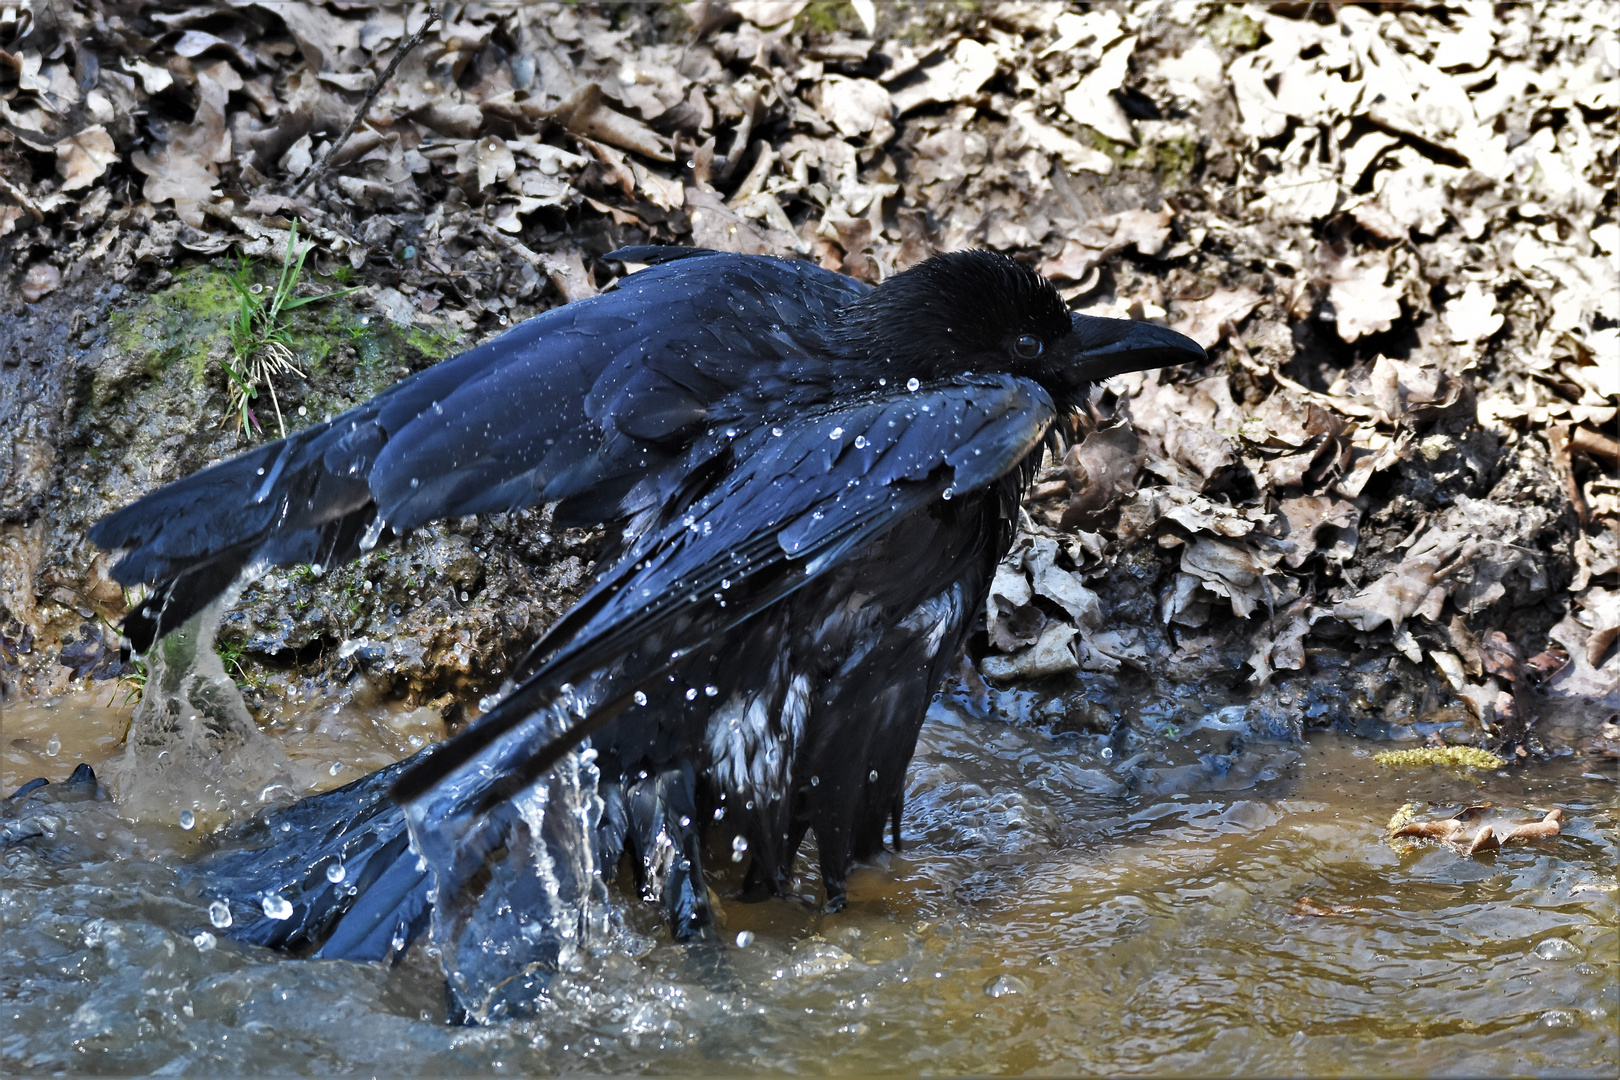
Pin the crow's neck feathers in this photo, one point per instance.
(960, 313)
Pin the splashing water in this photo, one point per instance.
(192, 741)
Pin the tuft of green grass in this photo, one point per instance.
(261, 337)
(231, 656)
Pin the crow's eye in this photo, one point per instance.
(1028, 347)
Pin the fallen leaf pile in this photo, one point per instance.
(1395, 230)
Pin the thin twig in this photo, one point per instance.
(365, 106)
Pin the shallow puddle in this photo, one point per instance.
(1203, 904)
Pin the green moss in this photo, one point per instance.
(1457, 757)
(431, 343)
(1171, 162)
(822, 15)
(1122, 154)
(1177, 158)
(1233, 28)
(179, 324)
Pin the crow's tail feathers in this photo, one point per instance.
(333, 875)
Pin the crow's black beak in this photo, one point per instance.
(1104, 347)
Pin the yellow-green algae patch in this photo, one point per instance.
(1458, 757)
(1406, 814)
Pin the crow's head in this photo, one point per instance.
(980, 311)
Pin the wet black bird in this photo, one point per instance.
(808, 483)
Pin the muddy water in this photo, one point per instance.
(1064, 904)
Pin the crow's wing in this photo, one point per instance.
(574, 405)
(794, 503)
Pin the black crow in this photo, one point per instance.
(807, 482)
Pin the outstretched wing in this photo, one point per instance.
(574, 405)
(792, 504)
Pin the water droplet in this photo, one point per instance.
(276, 907)
(204, 941)
(777, 432)
(188, 820)
(710, 691)
(53, 747)
(336, 767)
(872, 776)
(641, 698)
(883, 382)
(1005, 986)
(913, 385)
(860, 442)
(691, 693)
(739, 848)
(815, 781)
(946, 494)
(837, 433)
(1107, 752)
(416, 482)
(219, 913)
(1557, 949)
(719, 812)
(335, 872)
(686, 822)
(745, 938)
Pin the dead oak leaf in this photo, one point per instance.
(1101, 238)
(83, 158)
(969, 66)
(1202, 320)
(1363, 302)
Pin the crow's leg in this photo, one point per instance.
(666, 840)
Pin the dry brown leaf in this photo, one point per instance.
(184, 169)
(1306, 516)
(766, 14)
(1300, 196)
(81, 159)
(716, 225)
(1071, 151)
(1472, 317)
(1444, 829)
(1101, 238)
(1092, 102)
(1362, 301)
(41, 280)
(1100, 469)
(1203, 320)
(857, 108)
(1234, 571)
(587, 113)
(1402, 389)
(959, 76)
(1052, 654)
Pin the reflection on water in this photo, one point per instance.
(1064, 904)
